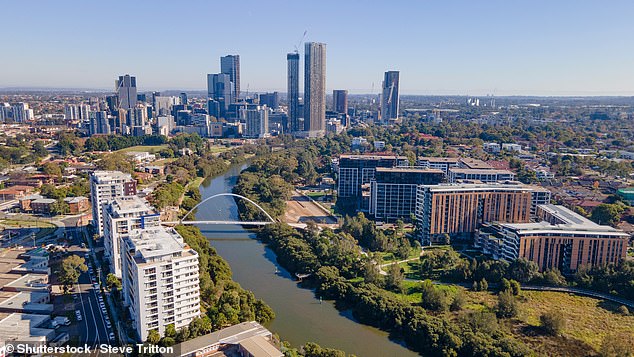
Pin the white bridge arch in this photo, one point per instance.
(182, 220)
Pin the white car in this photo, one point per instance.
(108, 324)
(111, 336)
(78, 314)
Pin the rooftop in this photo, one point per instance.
(481, 171)
(469, 187)
(155, 242)
(439, 159)
(231, 335)
(409, 169)
(370, 157)
(25, 328)
(107, 176)
(129, 204)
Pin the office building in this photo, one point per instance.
(358, 170)
(459, 209)
(99, 123)
(105, 186)
(125, 87)
(257, 122)
(121, 216)
(160, 280)
(562, 239)
(5, 112)
(340, 101)
(271, 100)
(390, 97)
(230, 65)
(292, 93)
(219, 89)
(457, 174)
(393, 191)
(183, 98)
(314, 89)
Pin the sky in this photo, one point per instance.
(519, 47)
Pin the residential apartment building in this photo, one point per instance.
(121, 216)
(106, 186)
(562, 240)
(357, 170)
(393, 191)
(459, 209)
(160, 280)
(440, 163)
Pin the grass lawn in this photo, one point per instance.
(317, 194)
(164, 161)
(17, 223)
(195, 183)
(152, 149)
(218, 149)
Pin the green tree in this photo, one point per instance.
(433, 298)
(553, 322)
(70, 269)
(459, 300)
(607, 213)
(153, 337)
(112, 282)
(170, 330)
(394, 279)
(507, 305)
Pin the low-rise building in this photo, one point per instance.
(243, 339)
(77, 204)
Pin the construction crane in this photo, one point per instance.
(300, 41)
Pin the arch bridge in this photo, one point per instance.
(254, 223)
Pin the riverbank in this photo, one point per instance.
(300, 316)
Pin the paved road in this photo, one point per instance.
(92, 329)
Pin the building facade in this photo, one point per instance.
(390, 96)
(106, 186)
(459, 210)
(484, 175)
(357, 170)
(230, 65)
(292, 92)
(219, 88)
(315, 89)
(562, 240)
(160, 280)
(393, 191)
(126, 91)
(121, 216)
(257, 122)
(340, 101)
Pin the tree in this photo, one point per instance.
(394, 279)
(553, 322)
(433, 298)
(170, 330)
(607, 213)
(60, 207)
(484, 285)
(112, 282)
(371, 273)
(623, 310)
(52, 169)
(523, 270)
(506, 306)
(515, 287)
(70, 270)
(153, 337)
(446, 239)
(459, 301)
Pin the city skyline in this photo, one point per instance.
(539, 48)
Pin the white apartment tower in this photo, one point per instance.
(160, 280)
(106, 186)
(120, 217)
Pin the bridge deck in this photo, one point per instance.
(171, 223)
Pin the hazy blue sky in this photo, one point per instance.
(541, 47)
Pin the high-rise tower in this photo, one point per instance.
(126, 90)
(315, 88)
(293, 92)
(230, 65)
(390, 96)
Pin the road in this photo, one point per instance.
(92, 330)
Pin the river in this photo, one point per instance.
(300, 317)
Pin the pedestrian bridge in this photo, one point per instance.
(244, 223)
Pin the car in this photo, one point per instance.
(108, 324)
(90, 271)
(102, 304)
(78, 314)
(111, 336)
(86, 255)
(95, 285)
(74, 296)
